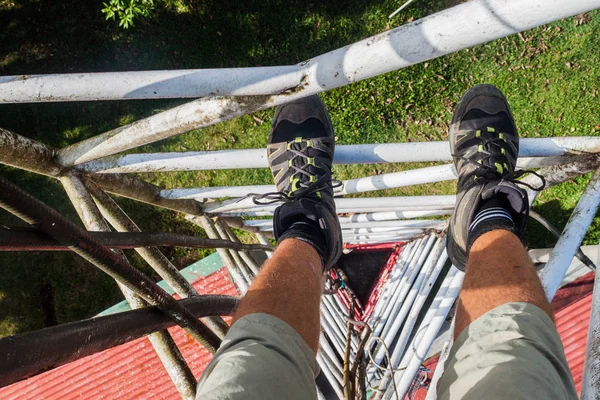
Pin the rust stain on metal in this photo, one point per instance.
(298, 88)
(137, 189)
(560, 173)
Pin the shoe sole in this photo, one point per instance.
(461, 108)
(316, 101)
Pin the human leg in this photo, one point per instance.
(499, 271)
(289, 287)
(270, 349)
(506, 343)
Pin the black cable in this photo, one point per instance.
(554, 230)
(38, 214)
(33, 239)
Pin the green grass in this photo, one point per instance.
(551, 76)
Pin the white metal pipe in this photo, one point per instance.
(332, 329)
(333, 317)
(326, 347)
(417, 306)
(388, 311)
(237, 255)
(329, 375)
(590, 387)
(531, 152)
(431, 311)
(260, 223)
(248, 260)
(420, 223)
(415, 311)
(417, 176)
(337, 339)
(571, 237)
(268, 212)
(425, 272)
(392, 180)
(395, 319)
(384, 235)
(465, 25)
(414, 357)
(389, 230)
(397, 239)
(262, 239)
(393, 281)
(442, 33)
(234, 270)
(341, 308)
(394, 276)
(332, 365)
(215, 192)
(267, 225)
(339, 314)
(439, 371)
(183, 83)
(333, 323)
(383, 304)
(364, 203)
(390, 216)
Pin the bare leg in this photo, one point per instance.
(289, 287)
(499, 271)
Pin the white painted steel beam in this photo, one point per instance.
(422, 341)
(367, 184)
(344, 155)
(384, 235)
(395, 239)
(345, 224)
(391, 215)
(399, 213)
(424, 224)
(571, 237)
(358, 231)
(465, 25)
(408, 294)
(183, 83)
(418, 176)
(365, 204)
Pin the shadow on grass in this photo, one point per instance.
(539, 237)
(72, 36)
(43, 36)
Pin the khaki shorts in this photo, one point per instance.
(512, 352)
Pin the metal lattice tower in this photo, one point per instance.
(93, 168)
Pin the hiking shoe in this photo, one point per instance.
(484, 144)
(300, 153)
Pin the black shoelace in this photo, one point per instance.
(305, 191)
(486, 173)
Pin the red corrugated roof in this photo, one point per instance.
(129, 371)
(572, 325)
(133, 370)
